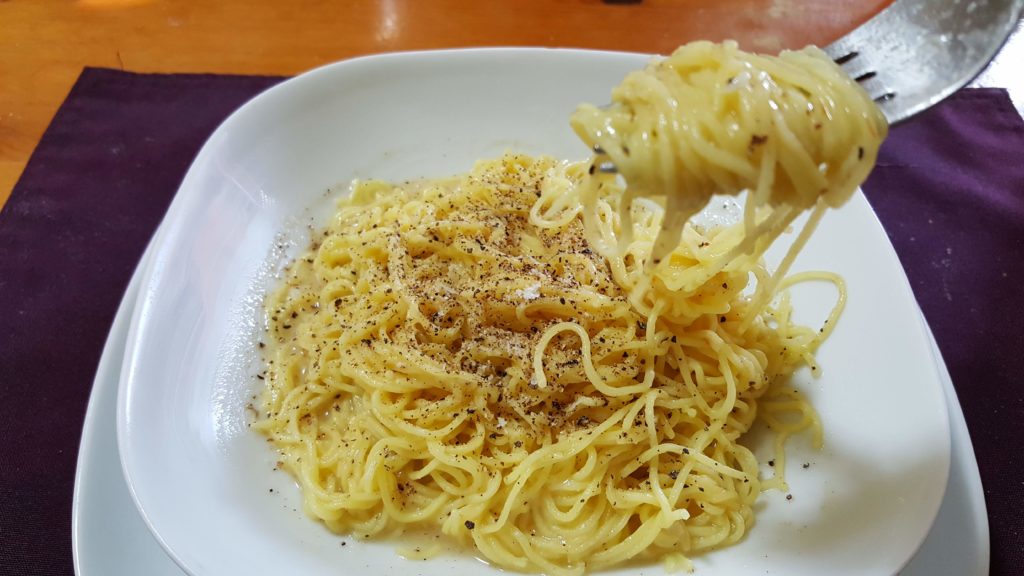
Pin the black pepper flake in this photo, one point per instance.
(673, 474)
(470, 524)
(771, 462)
(860, 153)
(807, 465)
(789, 496)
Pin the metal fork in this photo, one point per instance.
(915, 53)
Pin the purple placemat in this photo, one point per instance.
(949, 189)
(71, 234)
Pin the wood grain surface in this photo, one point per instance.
(44, 44)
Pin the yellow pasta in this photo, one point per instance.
(794, 130)
(492, 357)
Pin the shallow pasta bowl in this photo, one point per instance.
(205, 484)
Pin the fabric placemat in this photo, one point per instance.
(949, 189)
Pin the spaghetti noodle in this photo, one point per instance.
(477, 355)
(794, 130)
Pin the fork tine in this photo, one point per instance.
(861, 79)
(859, 67)
(914, 53)
(850, 55)
(876, 88)
(841, 50)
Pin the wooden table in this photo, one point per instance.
(44, 44)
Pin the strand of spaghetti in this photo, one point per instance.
(588, 362)
(837, 310)
(783, 268)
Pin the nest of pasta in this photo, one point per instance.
(455, 356)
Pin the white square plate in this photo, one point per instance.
(202, 480)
